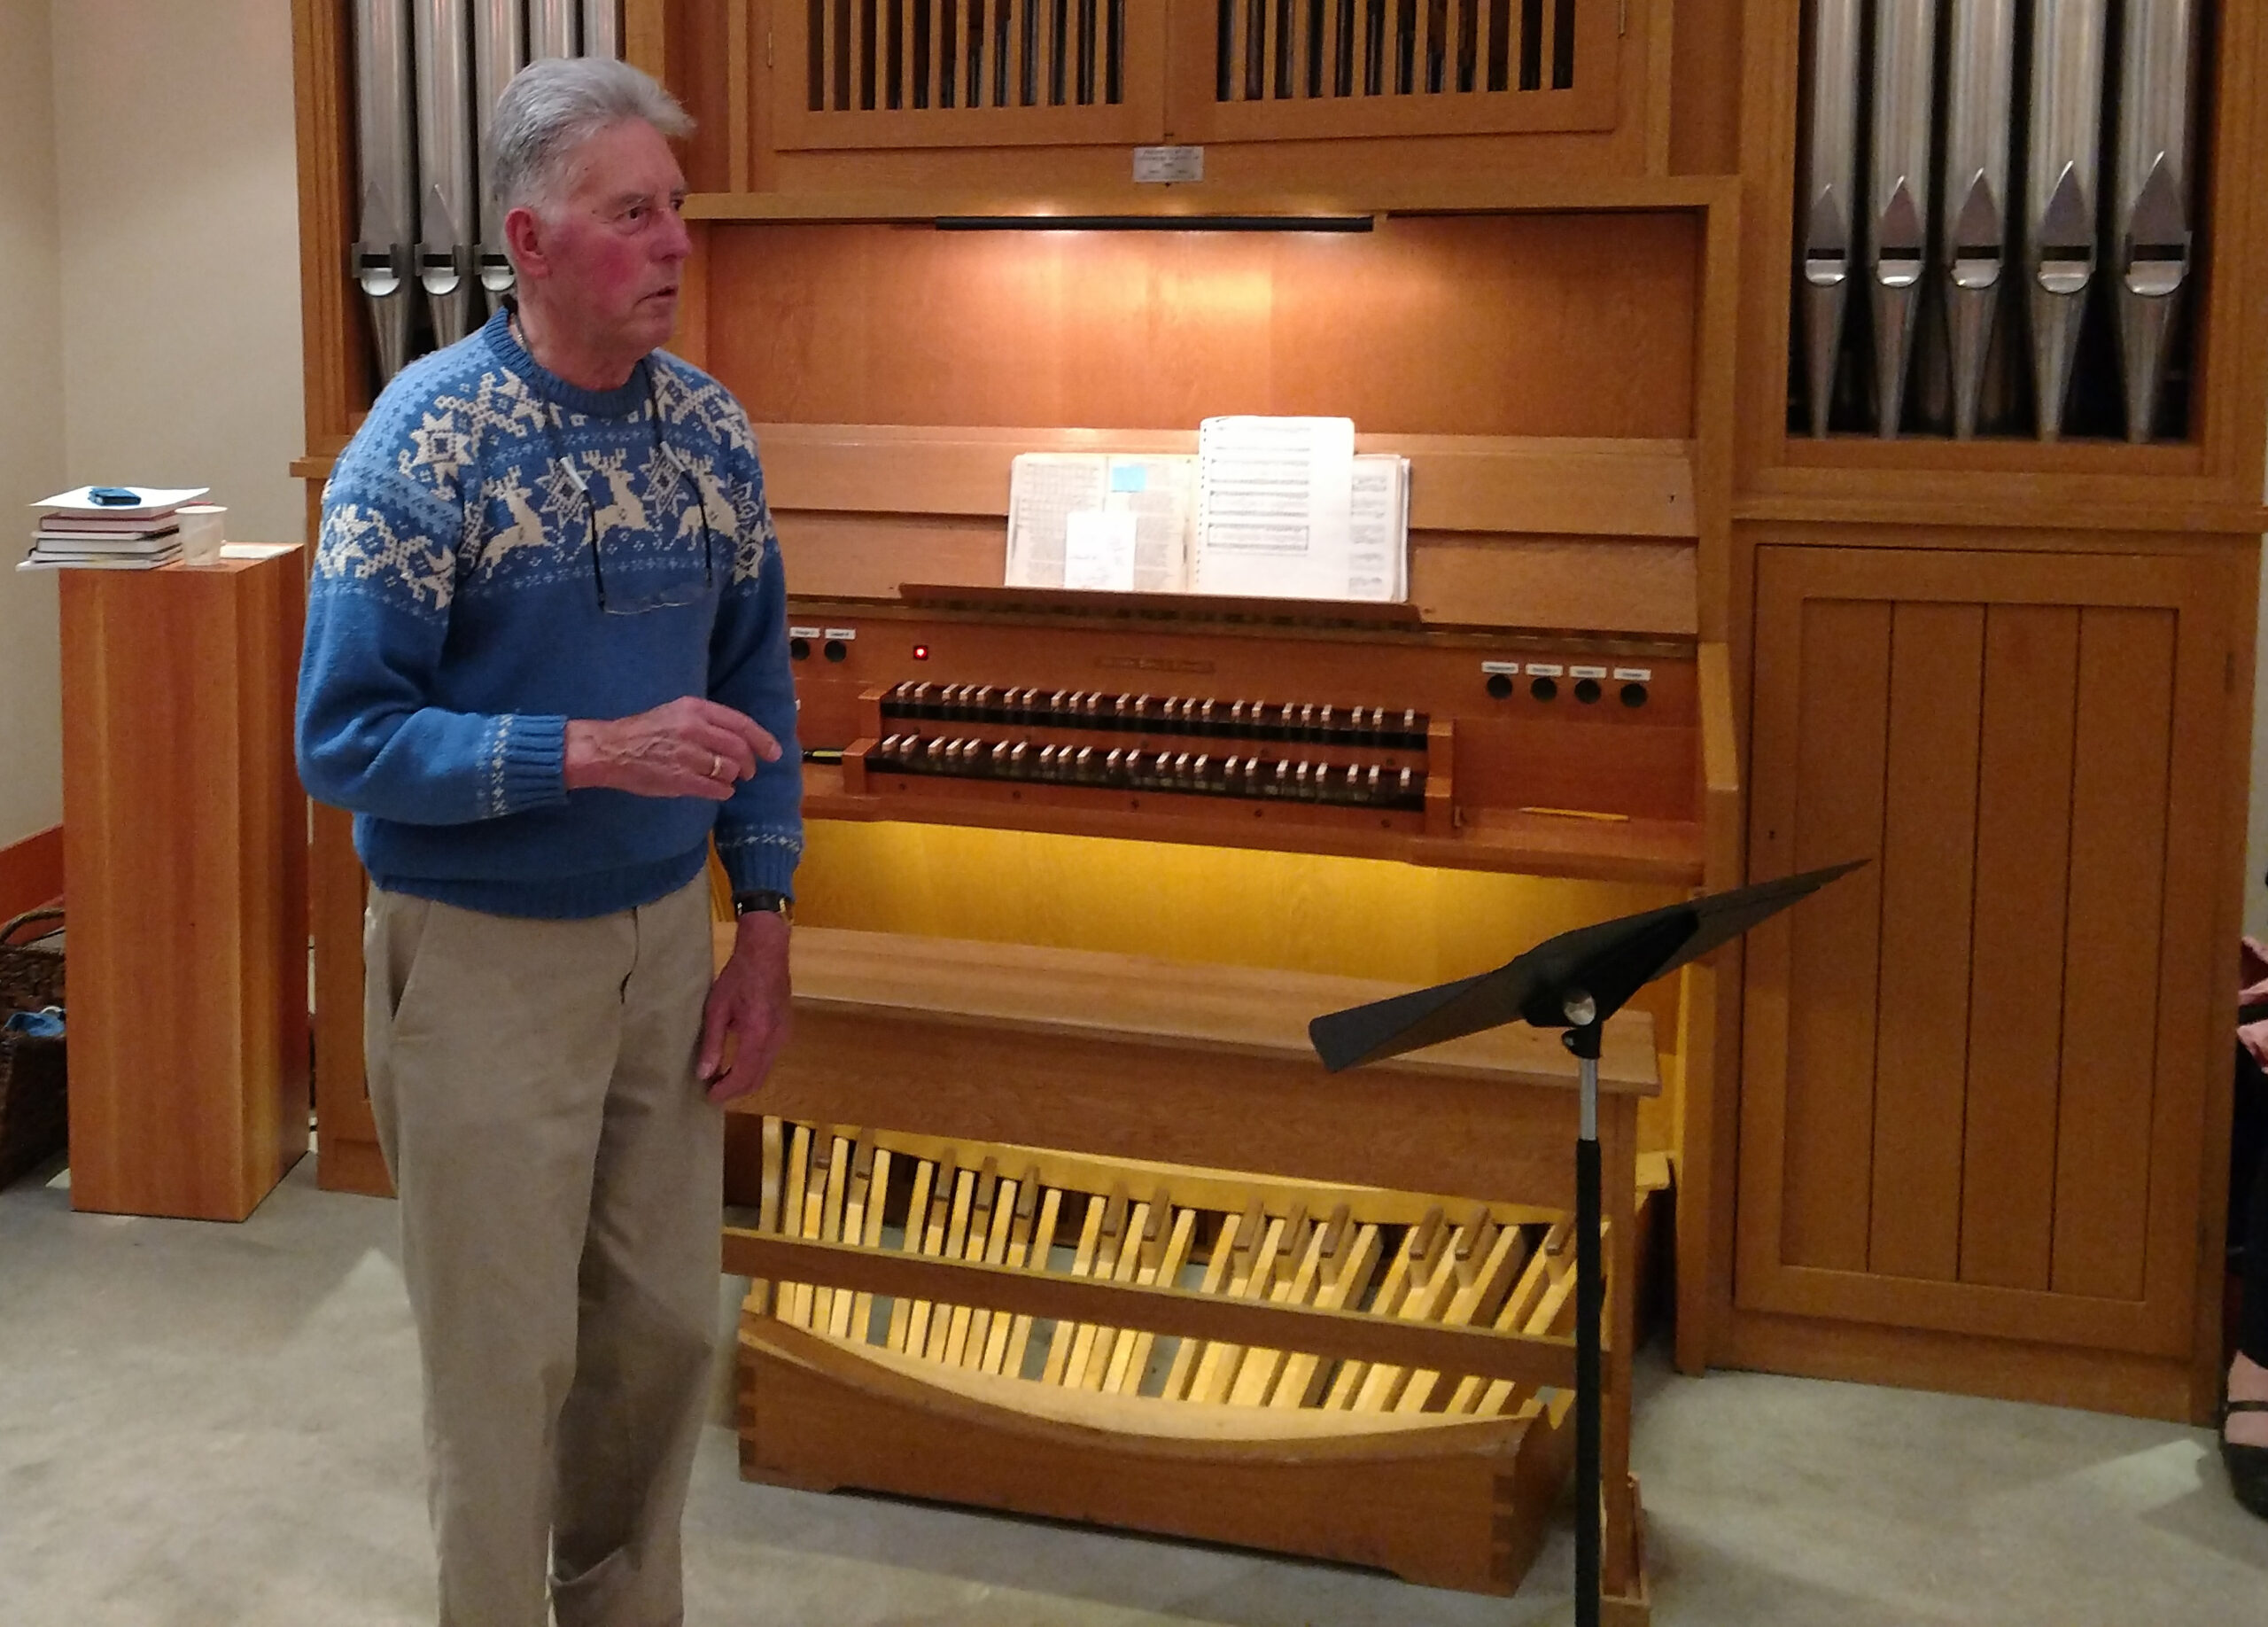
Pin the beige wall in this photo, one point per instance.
(149, 296)
(31, 423)
(178, 180)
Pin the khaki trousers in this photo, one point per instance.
(560, 1177)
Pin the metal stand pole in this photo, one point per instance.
(1591, 1299)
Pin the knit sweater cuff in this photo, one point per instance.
(527, 764)
(759, 860)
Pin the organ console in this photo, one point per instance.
(1150, 716)
(946, 1159)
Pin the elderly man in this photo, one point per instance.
(545, 660)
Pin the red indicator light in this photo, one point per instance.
(921, 653)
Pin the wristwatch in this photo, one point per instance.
(764, 900)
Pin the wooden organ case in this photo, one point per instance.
(1074, 861)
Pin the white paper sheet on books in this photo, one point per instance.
(1046, 490)
(1099, 550)
(1378, 553)
(1273, 498)
(147, 500)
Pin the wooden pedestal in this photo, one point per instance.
(185, 872)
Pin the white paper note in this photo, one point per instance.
(1099, 550)
(1273, 499)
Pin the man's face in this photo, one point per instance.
(614, 245)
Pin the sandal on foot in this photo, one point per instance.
(2248, 1466)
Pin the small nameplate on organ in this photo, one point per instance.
(1546, 669)
(1510, 669)
(845, 633)
(1634, 674)
(806, 633)
(1584, 672)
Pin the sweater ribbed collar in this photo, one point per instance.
(623, 403)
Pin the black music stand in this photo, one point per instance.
(1574, 981)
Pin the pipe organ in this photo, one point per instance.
(2077, 246)
(1718, 572)
(426, 76)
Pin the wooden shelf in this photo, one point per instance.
(1419, 195)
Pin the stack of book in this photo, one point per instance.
(120, 528)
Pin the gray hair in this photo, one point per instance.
(552, 106)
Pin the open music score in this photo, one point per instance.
(1323, 728)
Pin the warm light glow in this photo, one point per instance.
(1300, 911)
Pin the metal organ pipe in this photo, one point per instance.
(444, 199)
(1899, 199)
(1830, 203)
(551, 29)
(2150, 231)
(601, 27)
(499, 51)
(1974, 205)
(2062, 196)
(2105, 194)
(383, 253)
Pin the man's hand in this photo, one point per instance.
(748, 1008)
(691, 747)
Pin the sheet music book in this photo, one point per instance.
(1274, 499)
(1049, 492)
(1269, 508)
(1378, 552)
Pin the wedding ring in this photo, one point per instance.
(716, 767)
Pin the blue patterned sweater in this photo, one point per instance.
(454, 624)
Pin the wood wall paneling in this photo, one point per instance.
(1974, 1094)
(2016, 1000)
(31, 872)
(1835, 969)
(698, 65)
(2113, 930)
(1928, 870)
(1704, 97)
(1549, 325)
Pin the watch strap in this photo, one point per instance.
(765, 901)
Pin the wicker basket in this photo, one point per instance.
(31, 961)
(34, 1109)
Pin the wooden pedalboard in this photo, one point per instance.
(1289, 1361)
(1442, 1479)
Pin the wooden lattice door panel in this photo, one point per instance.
(1973, 1097)
(866, 73)
(1257, 70)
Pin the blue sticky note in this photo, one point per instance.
(1129, 478)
